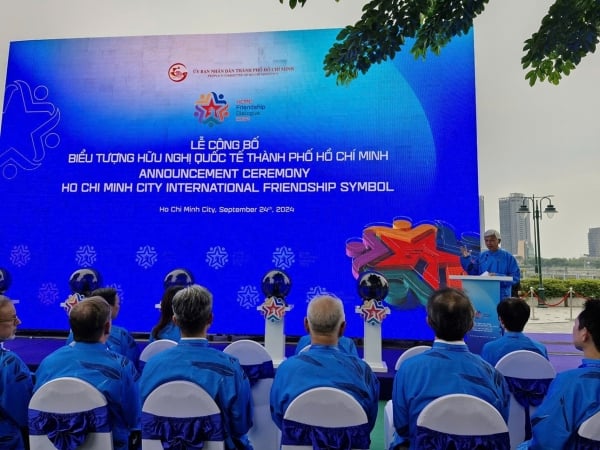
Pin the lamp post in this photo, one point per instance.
(549, 210)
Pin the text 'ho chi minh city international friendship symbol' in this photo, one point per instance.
(211, 109)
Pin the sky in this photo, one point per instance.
(540, 140)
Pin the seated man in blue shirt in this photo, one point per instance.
(574, 395)
(218, 373)
(447, 368)
(324, 364)
(88, 358)
(120, 340)
(15, 383)
(513, 314)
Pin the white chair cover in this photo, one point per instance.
(325, 413)
(461, 418)
(153, 348)
(588, 434)
(388, 414)
(528, 375)
(178, 411)
(62, 404)
(258, 365)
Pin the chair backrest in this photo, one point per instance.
(258, 365)
(176, 406)
(388, 415)
(528, 375)
(409, 352)
(59, 405)
(155, 347)
(324, 408)
(590, 428)
(456, 416)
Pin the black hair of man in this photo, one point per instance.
(107, 293)
(192, 308)
(589, 318)
(88, 319)
(514, 313)
(450, 314)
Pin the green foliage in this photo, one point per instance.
(559, 288)
(568, 32)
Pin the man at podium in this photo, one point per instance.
(494, 262)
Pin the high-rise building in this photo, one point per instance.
(515, 228)
(594, 242)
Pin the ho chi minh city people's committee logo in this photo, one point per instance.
(178, 72)
(211, 109)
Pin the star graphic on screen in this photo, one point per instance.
(85, 256)
(70, 302)
(146, 256)
(273, 309)
(20, 255)
(217, 257)
(315, 291)
(48, 293)
(374, 311)
(247, 296)
(283, 257)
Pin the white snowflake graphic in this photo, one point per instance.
(48, 294)
(283, 257)
(217, 257)
(20, 255)
(314, 291)
(248, 297)
(146, 256)
(85, 256)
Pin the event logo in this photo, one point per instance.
(211, 109)
(178, 72)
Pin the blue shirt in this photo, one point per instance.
(493, 351)
(345, 344)
(573, 396)
(120, 341)
(324, 366)
(218, 373)
(444, 369)
(111, 373)
(16, 387)
(169, 331)
(500, 262)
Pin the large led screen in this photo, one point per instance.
(230, 156)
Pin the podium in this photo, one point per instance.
(484, 292)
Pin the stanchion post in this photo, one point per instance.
(531, 295)
(571, 303)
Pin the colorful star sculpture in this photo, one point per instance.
(71, 301)
(273, 309)
(374, 311)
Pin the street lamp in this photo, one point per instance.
(550, 210)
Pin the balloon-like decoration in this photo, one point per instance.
(276, 283)
(84, 281)
(5, 280)
(178, 277)
(372, 286)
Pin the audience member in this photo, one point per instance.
(89, 359)
(574, 395)
(165, 328)
(447, 368)
(494, 262)
(513, 314)
(218, 373)
(323, 364)
(15, 383)
(120, 340)
(345, 344)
